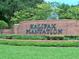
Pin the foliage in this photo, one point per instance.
(24, 37)
(18, 10)
(3, 25)
(74, 11)
(42, 11)
(40, 43)
(8, 7)
(39, 37)
(62, 11)
(68, 12)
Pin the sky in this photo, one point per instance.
(70, 2)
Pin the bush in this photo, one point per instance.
(71, 37)
(57, 37)
(28, 37)
(3, 25)
(38, 37)
(41, 44)
(25, 37)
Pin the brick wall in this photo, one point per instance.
(69, 27)
(6, 31)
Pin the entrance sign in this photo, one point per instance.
(47, 27)
(43, 29)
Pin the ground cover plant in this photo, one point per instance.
(39, 37)
(41, 43)
(31, 52)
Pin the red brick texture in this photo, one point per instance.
(69, 27)
(6, 31)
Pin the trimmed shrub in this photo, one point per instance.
(24, 37)
(71, 37)
(41, 44)
(3, 25)
(57, 37)
(38, 37)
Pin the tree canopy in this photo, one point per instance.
(8, 7)
(41, 12)
(68, 12)
(15, 11)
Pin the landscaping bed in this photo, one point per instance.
(41, 43)
(39, 37)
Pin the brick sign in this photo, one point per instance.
(46, 27)
(43, 29)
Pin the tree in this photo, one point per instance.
(62, 11)
(8, 7)
(68, 12)
(74, 11)
(54, 14)
(41, 12)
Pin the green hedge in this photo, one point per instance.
(25, 37)
(39, 37)
(41, 44)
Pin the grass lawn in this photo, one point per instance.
(31, 52)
